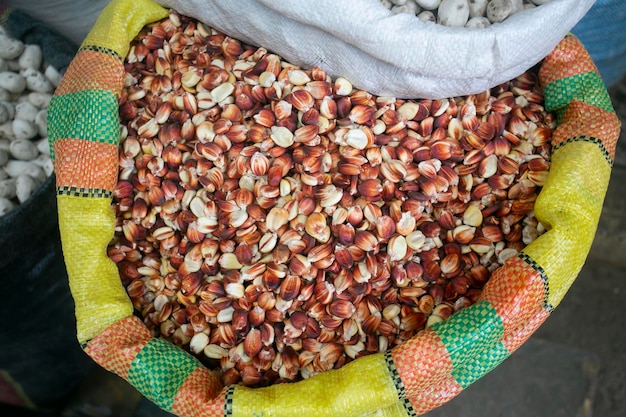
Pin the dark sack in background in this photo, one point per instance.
(40, 360)
(603, 32)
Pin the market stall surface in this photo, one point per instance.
(573, 366)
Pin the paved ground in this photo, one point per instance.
(573, 366)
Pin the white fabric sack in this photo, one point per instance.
(70, 18)
(391, 54)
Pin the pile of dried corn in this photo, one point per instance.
(279, 223)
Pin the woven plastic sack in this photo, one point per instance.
(387, 54)
(409, 380)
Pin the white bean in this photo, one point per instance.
(24, 129)
(6, 206)
(43, 146)
(26, 111)
(8, 188)
(478, 22)
(3, 65)
(36, 81)
(52, 75)
(6, 130)
(40, 100)
(24, 150)
(427, 16)
(428, 4)
(48, 167)
(31, 57)
(16, 168)
(44, 161)
(25, 186)
(498, 10)
(12, 82)
(10, 48)
(453, 13)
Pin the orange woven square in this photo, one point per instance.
(85, 164)
(515, 338)
(200, 395)
(582, 119)
(517, 292)
(419, 362)
(568, 58)
(118, 345)
(440, 391)
(92, 70)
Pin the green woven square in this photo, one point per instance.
(89, 115)
(587, 87)
(480, 366)
(469, 332)
(159, 370)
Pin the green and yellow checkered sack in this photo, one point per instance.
(409, 380)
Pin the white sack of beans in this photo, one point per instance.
(71, 18)
(392, 54)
